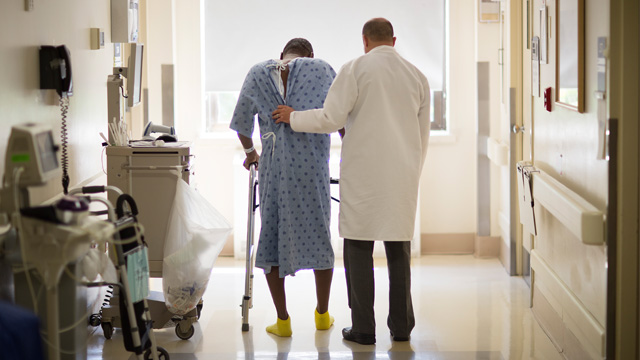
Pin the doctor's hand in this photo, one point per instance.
(252, 157)
(282, 114)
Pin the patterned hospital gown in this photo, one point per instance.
(293, 174)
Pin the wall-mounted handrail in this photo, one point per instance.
(497, 152)
(579, 216)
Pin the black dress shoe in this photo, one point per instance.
(364, 339)
(399, 338)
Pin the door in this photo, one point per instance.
(511, 131)
(530, 88)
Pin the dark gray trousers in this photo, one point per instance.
(358, 263)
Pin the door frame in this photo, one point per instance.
(623, 320)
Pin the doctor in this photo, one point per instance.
(382, 100)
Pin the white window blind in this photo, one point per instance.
(241, 33)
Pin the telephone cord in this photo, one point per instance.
(64, 109)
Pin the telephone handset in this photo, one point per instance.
(55, 73)
(55, 70)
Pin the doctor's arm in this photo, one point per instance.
(340, 100)
(283, 115)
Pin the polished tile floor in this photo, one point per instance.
(466, 308)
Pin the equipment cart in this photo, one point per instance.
(128, 252)
(149, 175)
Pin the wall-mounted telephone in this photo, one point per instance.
(55, 73)
(55, 70)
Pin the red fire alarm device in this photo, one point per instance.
(547, 99)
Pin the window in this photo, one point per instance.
(220, 106)
(239, 34)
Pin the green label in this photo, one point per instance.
(20, 158)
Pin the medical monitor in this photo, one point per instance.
(134, 74)
(31, 148)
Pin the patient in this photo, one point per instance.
(293, 175)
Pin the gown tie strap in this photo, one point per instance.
(271, 135)
(279, 66)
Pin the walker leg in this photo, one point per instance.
(247, 299)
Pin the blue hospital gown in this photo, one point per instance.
(293, 174)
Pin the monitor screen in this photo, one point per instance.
(31, 148)
(47, 151)
(134, 74)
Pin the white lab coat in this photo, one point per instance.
(382, 100)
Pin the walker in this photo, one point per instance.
(136, 320)
(247, 302)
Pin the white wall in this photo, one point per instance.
(486, 46)
(56, 23)
(565, 146)
(448, 184)
(160, 50)
(189, 67)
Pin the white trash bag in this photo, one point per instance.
(196, 233)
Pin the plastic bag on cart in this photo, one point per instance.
(196, 233)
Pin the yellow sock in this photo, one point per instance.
(281, 327)
(323, 321)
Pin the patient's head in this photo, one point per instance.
(298, 46)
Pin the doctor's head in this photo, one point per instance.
(376, 32)
(299, 47)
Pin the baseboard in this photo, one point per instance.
(227, 249)
(553, 325)
(487, 246)
(505, 256)
(447, 244)
(567, 322)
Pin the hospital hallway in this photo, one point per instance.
(465, 308)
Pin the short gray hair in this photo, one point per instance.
(378, 29)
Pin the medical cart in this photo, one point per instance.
(149, 174)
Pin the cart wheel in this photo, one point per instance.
(199, 310)
(185, 335)
(162, 354)
(94, 320)
(108, 330)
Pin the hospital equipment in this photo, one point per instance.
(152, 128)
(40, 241)
(51, 239)
(31, 160)
(132, 287)
(133, 73)
(149, 174)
